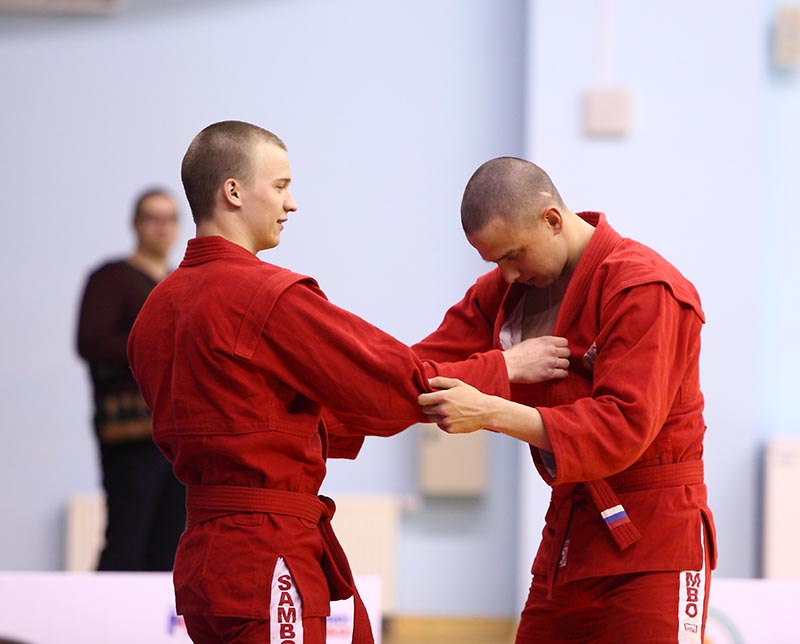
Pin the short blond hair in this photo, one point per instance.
(218, 152)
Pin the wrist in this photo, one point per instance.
(511, 368)
(496, 413)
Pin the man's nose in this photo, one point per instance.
(290, 205)
(510, 275)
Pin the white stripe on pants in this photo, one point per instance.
(692, 589)
(285, 608)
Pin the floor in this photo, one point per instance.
(427, 630)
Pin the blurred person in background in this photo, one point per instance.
(145, 503)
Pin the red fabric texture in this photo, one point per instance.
(213, 630)
(631, 400)
(624, 609)
(237, 359)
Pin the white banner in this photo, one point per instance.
(131, 608)
(753, 611)
(125, 608)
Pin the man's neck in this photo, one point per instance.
(152, 264)
(209, 227)
(581, 232)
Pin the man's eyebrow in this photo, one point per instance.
(500, 259)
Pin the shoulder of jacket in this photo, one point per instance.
(490, 281)
(632, 264)
(273, 271)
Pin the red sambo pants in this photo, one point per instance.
(644, 608)
(213, 630)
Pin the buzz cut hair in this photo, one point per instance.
(508, 188)
(220, 151)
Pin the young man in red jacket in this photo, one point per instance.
(628, 544)
(237, 358)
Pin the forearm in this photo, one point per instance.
(367, 380)
(486, 372)
(518, 421)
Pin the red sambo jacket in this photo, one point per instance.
(236, 358)
(626, 425)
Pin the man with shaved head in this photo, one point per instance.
(628, 544)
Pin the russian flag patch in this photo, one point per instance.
(615, 516)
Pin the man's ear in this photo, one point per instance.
(553, 218)
(231, 192)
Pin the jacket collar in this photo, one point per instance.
(602, 242)
(201, 250)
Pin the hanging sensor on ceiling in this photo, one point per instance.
(59, 6)
(608, 111)
(786, 37)
(608, 107)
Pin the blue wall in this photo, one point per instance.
(779, 228)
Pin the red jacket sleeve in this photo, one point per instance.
(368, 379)
(468, 326)
(645, 347)
(342, 444)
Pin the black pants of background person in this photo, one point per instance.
(146, 508)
